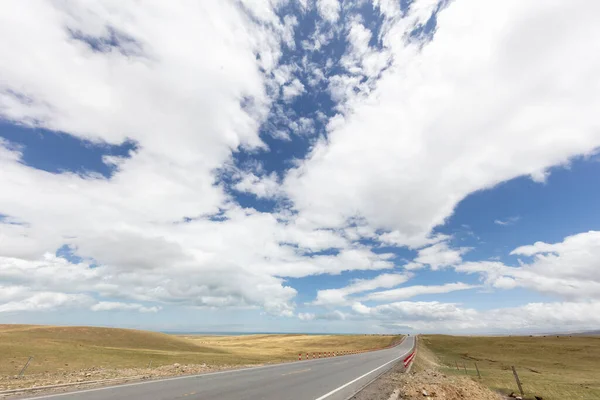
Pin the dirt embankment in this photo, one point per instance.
(424, 381)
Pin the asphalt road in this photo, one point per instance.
(335, 378)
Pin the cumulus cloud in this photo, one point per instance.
(306, 316)
(419, 127)
(439, 255)
(116, 306)
(293, 89)
(412, 291)
(147, 233)
(329, 9)
(340, 296)
(455, 115)
(22, 299)
(266, 186)
(437, 316)
(569, 269)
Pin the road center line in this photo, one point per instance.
(360, 377)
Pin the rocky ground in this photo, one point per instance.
(424, 381)
(83, 377)
(431, 384)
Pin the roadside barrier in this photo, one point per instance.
(350, 352)
(409, 358)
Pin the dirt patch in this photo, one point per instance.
(424, 381)
(96, 374)
(435, 385)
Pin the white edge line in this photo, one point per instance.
(188, 377)
(153, 381)
(360, 377)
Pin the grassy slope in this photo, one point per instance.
(264, 348)
(58, 349)
(553, 367)
(71, 348)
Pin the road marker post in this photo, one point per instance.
(300, 357)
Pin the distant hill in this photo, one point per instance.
(587, 333)
(77, 347)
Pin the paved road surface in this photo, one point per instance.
(335, 378)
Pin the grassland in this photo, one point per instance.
(265, 348)
(63, 349)
(551, 367)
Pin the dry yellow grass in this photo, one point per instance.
(61, 349)
(266, 348)
(552, 367)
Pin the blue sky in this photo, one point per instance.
(311, 166)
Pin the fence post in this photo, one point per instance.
(518, 381)
(465, 367)
(150, 364)
(478, 374)
(456, 362)
(25, 367)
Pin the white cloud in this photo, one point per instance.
(398, 238)
(412, 291)
(306, 316)
(329, 9)
(508, 221)
(150, 227)
(434, 130)
(23, 299)
(116, 306)
(335, 315)
(437, 316)
(293, 89)
(569, 269)
(439, 255)
(266, 186)
(447, 118)
(340, 296)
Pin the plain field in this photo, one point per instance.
(62, 349)
(563, 367)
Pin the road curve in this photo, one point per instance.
(335, 378)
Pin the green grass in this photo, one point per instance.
(552, 367)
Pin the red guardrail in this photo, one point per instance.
(409, 358)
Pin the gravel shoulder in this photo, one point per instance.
(424, 381)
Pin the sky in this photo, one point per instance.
(378, 166)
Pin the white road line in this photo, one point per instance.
(156, 381)
(359, 378)
(191, 376)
